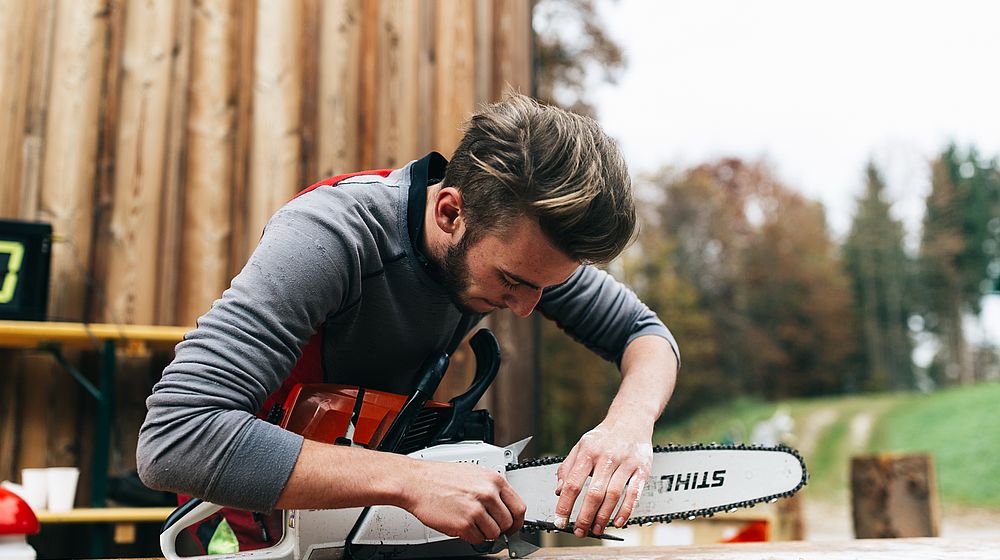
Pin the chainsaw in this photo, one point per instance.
(686, 481)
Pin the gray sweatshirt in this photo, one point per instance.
(346, 257)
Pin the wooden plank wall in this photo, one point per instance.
(158, 137)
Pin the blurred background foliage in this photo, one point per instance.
(766, 304)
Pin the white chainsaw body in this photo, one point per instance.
(321, 534)
(684, 483)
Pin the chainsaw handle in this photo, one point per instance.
(487, 351)
(284, 550)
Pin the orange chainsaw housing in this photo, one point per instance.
(322, 412)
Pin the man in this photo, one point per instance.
(390, 267)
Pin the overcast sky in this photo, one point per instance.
(815, 88)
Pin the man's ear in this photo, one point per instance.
(448, 210)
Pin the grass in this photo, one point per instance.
(959, 427)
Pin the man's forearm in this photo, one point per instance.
(649, 373)
(329, 476)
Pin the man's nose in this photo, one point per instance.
(524, 303)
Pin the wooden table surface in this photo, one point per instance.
(873, 549)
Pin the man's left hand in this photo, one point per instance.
(618, 457)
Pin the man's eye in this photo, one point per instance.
(507, 283)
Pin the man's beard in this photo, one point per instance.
(453, 273)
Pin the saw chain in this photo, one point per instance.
(537, 526)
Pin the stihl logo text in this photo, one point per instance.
(690, 481)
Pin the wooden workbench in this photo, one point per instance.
(868, 549)
(873, 549)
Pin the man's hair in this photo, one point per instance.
(519, 158)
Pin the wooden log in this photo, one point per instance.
(42, 20)
(247, 17)
(16, 30)
(71, 139)
(134, 230)
(23, 57)
(337, 138)
(211, 138)
(894, 496)
(512, 64)
(424, 86)
(455, 71)
(274, 164)
(369, 83)
(171, 205)
(484, 61)
(311, 21)
(397, 48)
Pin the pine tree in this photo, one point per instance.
(880, 273)
(956, 251)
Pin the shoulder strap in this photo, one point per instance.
(338, 178)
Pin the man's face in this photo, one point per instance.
(504, 271)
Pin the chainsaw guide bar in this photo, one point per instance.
(534, 526)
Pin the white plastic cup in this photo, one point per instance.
(62, 488)
(36, 487)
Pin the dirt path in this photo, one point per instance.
(813, 427)
(860, 430)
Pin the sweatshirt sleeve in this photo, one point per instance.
(602, 313)
(201, 436)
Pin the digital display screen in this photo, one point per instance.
(25, 256)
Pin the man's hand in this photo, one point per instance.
(464, 501)
(458, 499)
(619, 459)
(618, 453)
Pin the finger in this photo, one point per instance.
(500, 514)
(632, 494)
(487, 526)
(564, 468)
(595, 495)
(616, 488)
(572, 485)
(515, 505)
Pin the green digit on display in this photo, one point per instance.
(16, 251)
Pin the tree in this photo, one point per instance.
(798, 300)
(956, 251)
(880, 273)
(571, 45)
(762, 262)
(702, 214)
(651, 271)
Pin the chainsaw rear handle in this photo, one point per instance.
(184, 517)
(487, 351)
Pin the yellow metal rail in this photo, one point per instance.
(29, 334)
(106, 515)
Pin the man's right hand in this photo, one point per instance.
(458, 499)
(463, 500)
